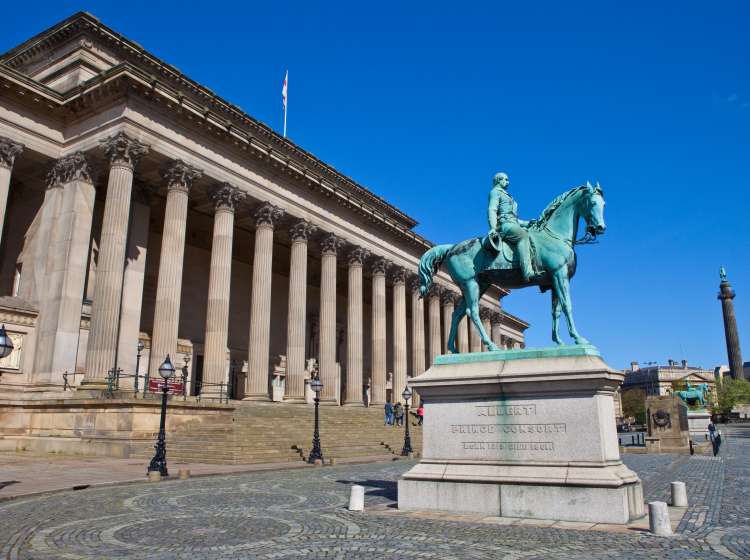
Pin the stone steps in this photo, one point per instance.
(264, 432)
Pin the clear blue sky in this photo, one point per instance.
(424, 103)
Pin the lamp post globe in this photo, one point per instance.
(166, 369)
(407, 450)
(316, 454)
(6, 344)
(159, 460)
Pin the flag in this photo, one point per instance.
(283, 97)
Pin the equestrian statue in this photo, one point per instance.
(695, 395)
(518, 254)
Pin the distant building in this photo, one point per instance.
(657, 380)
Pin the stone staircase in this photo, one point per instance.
(275, 432)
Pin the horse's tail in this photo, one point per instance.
(429, 265)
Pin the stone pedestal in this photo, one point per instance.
(522, 433)
(668, 421)
(698, 421)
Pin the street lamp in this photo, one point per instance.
(138, 364)
(316, 454)
(6, 344)
(159, 461)
(407, 438)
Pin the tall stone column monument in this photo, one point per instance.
(734, 355)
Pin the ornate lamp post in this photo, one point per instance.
(159, 461)
(138, 366)
(187, 360)
(316, 454)
(6, 344)
(407, 438)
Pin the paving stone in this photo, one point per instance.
(302, 514)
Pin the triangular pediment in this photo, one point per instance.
(66, 55)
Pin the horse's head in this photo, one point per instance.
(592, 210)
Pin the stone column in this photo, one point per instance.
(132, 287)
(485, 314)
(8, 152)
(447, 298)
(354, 382)
(497, 335)
(327, 352)
(462, 337)
(433, 304)
(399, 333)
(59, 321)
(378, 374)
(225, 198)
(256, 382)
(417, 329)
(123, 153)
(734, 354)
(179, 178)
(297, 312)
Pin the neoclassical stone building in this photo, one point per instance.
(140, 206)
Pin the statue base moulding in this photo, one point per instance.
(522, 433)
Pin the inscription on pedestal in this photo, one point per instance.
(506, 430)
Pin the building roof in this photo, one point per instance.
(166, 74)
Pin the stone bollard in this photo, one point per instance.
(332, 461)
(679, 494)
(357, 498)
(658, 519)
(183, 474)
(154, 476)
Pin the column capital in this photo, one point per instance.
(398, 275)
(180, 175)
(448, 297)
(379, 266)
(414, 283)
(357, 256)
(331, 244)
(73, 167)
(226, 197)
(121, 149)
(434, 291)
(267, 215)
(8, 152)
(301, 230)
(496, 318)
(485, 313)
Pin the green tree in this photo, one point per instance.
(730, 393)
(634, 404)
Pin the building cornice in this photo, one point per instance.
(226, 114)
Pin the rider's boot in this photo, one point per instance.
(525, 261)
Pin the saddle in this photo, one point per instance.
(505, 255)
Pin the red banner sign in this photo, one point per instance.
(174, 387)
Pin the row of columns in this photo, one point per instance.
(66, 227)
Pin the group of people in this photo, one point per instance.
(395, 413)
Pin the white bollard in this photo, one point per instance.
(679, 494)
(658, 519)
(357, 498)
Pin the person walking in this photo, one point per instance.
(398, 413)
(715, 437)
(388, 408)
(420, 414)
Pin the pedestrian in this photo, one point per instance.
(388, 413)
(715, 437)
(420, 414)
(398, 413)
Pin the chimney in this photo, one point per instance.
(633, 366)
(684, 364)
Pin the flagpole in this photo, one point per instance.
(284, 122)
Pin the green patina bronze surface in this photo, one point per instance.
(525, 354)
(518, 254)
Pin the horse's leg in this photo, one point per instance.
(458, 313)
(556, 309)
(562, 287)
(473, 291)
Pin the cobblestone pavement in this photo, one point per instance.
(302, 514)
